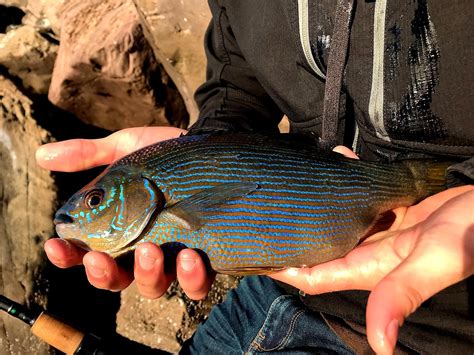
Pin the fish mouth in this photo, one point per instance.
(63, 222)
(63, 229)
(62, 218)
(64, 226)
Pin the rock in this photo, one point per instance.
(106, 72)
(9, 16)
(176, 31)
(43, 15)
(151, 322)
(165, 323)
(27, 198)
(28, 56)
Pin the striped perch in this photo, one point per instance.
(252, 203)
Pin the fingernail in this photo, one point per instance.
(95, 271)
(146, 262)
(46, 154)
(52, 255)
(39, 154)
(50, 251)
(391, 333)
(187, 264)
(66, 244)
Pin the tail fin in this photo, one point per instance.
(430, 177)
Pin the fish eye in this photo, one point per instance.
(94, 198)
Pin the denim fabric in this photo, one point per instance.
(258, 317)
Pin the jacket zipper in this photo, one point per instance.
(377, 90)
(303, 19)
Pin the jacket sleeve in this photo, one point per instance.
(231, 99)
(461, 173)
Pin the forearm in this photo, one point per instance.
(231, 99)
(229, 109)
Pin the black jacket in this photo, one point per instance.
(407, 92)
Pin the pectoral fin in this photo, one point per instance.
(188, 212)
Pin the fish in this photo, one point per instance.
(253, 203)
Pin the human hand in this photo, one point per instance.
(428, 248)
(102, 271)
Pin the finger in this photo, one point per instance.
(71, 155)
(192, 275)
(128, 140)
(81, 154)
(150, 277)
(104, 273)
(403, 290)
(361, 269)
(62, 253)
(345, 151)
(425, 208)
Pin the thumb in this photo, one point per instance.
(421, 275)
(388, 305)
(80, 154)
(435, 254)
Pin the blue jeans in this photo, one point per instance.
(258, 317)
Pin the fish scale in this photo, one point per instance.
(221, 231)
(275, 201)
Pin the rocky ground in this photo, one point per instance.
(83, 69)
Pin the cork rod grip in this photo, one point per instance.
(62, 336)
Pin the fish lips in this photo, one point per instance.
(65, 226)
(63, 229)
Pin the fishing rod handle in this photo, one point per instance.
(58, 334)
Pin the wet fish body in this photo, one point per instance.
(252, 203)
